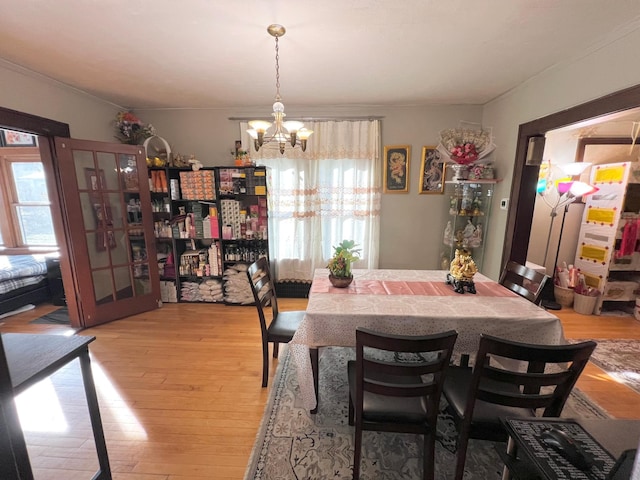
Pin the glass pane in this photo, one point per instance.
(29, 180)
(129, 172)
(120, 250)
(113, 210)
(85, 170)
(134, 213)
(143, 287)
(138, 250)
(108, 170)
(98, 255)
(90, 210)
(36, 225)
(124, 288)
(102, 286)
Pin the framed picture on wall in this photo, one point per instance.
(432, 171)
(11, 138)
(396, 168)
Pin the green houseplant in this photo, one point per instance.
(339, 266)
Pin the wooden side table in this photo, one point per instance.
(26, 359)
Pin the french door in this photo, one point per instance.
(106, 209)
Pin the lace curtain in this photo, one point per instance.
(325, 195)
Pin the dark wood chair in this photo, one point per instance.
(529, 378)
(385, 395)
(523, 280)
(282, 325)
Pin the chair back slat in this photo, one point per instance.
(524, 281)
(545, 381)
(263, 290)
(433, 354)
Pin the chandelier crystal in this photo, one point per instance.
(279, 132)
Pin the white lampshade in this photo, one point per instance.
(259, 125)
(293, 126)
(578, 189)
(575, 168)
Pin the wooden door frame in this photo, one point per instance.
(525, 177)
(47, 129)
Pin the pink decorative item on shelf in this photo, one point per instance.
(465, 145)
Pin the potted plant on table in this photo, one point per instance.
(339, 266)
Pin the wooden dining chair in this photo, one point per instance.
(529, 379)
(282, 325)
(390, 396)
(524, 281)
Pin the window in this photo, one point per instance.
(24, 201)
(319, 199)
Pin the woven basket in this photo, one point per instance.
(564, 296)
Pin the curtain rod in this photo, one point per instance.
(313, 119)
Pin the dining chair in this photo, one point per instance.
(510, 379)
(282, 325)
(524, 281)
(391, 396)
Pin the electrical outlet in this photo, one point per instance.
(504, 203)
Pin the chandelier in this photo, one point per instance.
(280, 132)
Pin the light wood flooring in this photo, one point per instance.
(180, 395)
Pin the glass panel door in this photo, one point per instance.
(107, 192)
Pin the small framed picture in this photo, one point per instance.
(396, 168)
(11, 138)
(431, 171)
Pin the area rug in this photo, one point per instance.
(620, 359)
(292, 444)
(59, 317)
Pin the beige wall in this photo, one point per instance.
(412, 224)
(586, 78)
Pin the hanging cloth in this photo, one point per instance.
(629, 237)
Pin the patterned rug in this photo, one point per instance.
(293, 444)
(620, 359)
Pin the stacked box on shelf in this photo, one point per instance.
(198, 185)
(226, 180)
(168, 292)
(260, 182)
(230, 212)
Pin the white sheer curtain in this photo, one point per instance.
(325, 195)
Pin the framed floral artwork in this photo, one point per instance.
(396, 168)
(432, 171)
(11, 138)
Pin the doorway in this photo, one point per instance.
(525, 177)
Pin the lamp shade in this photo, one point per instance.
(575, 168)
(580, 189)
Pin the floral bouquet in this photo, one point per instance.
(131, 130)
(464, 145)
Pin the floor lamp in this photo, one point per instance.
(559, 194)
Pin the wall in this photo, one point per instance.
(411, 224)
(88, 117)
(593, 75)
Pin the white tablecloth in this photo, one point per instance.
(413, 302)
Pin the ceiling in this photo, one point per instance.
(218, 54)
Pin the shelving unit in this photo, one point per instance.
(607, 253)
(469, 212)
(209, 225)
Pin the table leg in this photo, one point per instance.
(512, 450)
(94, 414)
(313, 353)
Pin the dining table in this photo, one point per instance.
(411, 302)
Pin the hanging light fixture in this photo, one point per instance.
(280, 132)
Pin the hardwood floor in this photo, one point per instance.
(180, 395)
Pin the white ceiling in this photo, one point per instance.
(218, 54)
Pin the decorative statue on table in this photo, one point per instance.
(461, 272)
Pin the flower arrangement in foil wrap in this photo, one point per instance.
(131, 130)
(465, 145)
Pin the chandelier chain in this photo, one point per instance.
(277, 71)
